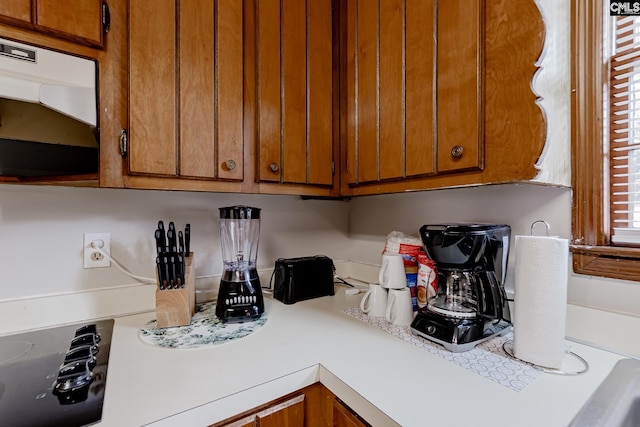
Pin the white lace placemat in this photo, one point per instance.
(205, 330)
(487, 359)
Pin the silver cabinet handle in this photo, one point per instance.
(230, 164)
(274, 167)
(123, 143)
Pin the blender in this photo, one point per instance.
(240, 295)
(470, 305)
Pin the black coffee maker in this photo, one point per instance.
(470, 305)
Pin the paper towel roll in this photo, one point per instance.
(540, 306)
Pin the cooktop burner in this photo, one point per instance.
(55, 376)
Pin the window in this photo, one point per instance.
(605, 155)
(623, 55)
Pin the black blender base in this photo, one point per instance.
(456, 335)
(240, 314)
(239, 301)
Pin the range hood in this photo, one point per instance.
(48, 112)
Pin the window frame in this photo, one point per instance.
(592, 251)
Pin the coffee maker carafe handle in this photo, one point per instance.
(491, 295)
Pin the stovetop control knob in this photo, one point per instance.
(83, 352)
(88, 329)
(73, 388)
(86, 339)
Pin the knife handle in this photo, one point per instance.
(171, 238)
(161, 236)
(159, 241)
(167, 275)
(160, 273)
(181, 270)
(187, 239)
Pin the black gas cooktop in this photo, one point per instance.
(55, 376)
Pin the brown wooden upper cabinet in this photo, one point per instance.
(412, 88)
(438, 93)
(80, 21)
(266, 96)
(186, 89)
(295, 91)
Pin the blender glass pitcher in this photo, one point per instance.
(240, 294)
(239, 235)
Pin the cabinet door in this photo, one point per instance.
(76, 18)
(390, 92)
(345, 417)
(295, 91)
(19, 10)
(408, 97)
(185, 94)
(289, 412)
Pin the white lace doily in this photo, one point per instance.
(487, 359)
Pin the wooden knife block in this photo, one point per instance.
(175, 307)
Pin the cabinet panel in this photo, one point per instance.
(210, 114)
(197, 129)
(152, 82)
(390, 95)
(81, 18)
(197, 97)
(186, 89)
(420, 87)
(320, 148)
(391, 131)
(366, 64)
(229, 75)
(295, 91)
(16, 9)
(269, 112)
(459, 60)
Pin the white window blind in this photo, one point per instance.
(624, 130)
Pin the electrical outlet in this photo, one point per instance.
(92, 257)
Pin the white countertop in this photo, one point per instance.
(385, 379)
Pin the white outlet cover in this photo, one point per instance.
(88, 250)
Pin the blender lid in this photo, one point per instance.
(239, 212)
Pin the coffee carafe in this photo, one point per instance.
(240, 295)
(470, 305)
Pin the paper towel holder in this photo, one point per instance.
(540, 221)
(507, 346)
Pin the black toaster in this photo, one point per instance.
(298, 279)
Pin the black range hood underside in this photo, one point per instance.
(36, 159)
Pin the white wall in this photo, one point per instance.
(518, 205)
(41, 233)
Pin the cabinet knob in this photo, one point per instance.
(230, 165)
(274, 167)
(456, 151)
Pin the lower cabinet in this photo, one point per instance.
(312, 406)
